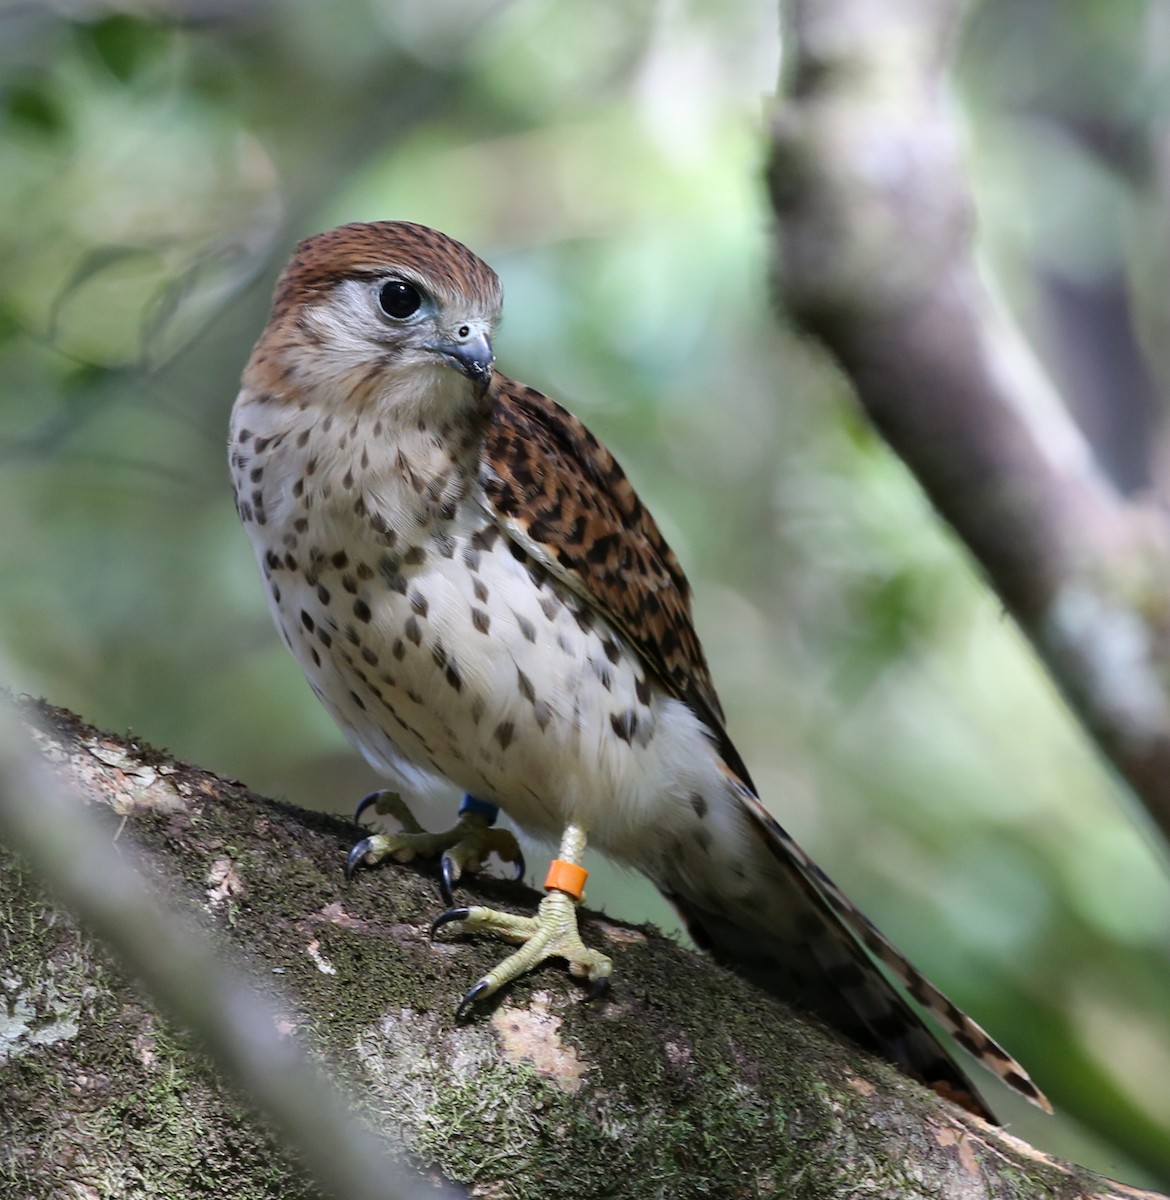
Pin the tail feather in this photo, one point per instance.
(967, 1032)
(818, 956)
(827, 976)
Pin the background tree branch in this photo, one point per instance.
(875, 260)
(688, 1082)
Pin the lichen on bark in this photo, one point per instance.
(685, 1082)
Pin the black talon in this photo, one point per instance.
(598, 988)
(354, 860)
(520, 868)
(364, 803)
(445, 918)
(468, 1000)
(448, 877)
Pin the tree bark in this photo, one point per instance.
(685, 1082)
(874, 259)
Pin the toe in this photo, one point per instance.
(449, 875)
(464, 1006)
(365, 802)
(448, 917)
(357, 856)
(599, 988)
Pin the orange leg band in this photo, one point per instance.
(566, 877)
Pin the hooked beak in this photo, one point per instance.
(472, 356)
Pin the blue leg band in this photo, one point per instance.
(482, 807)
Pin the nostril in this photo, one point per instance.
(464, 331)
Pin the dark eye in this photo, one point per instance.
(398, 299)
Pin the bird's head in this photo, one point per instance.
(387, 308)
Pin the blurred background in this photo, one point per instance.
(159, 162)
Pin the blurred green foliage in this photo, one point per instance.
(160, 159)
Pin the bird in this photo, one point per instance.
(478, 596)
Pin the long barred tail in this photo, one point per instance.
(803, 940)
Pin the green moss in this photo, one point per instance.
(120, 1105)
(694, 1084)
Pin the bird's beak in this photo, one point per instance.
(471, 356)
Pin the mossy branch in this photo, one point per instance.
(686, 1082)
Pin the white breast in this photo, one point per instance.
(446, 652)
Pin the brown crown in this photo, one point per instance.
(379, 246)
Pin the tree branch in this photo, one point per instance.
(182, 971)
(687, 1082)
(875, 261)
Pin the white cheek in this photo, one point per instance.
(358, 359)
(348, 330)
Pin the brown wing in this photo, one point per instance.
(550, 478)
(560, 493)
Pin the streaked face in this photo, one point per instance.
(389, 306)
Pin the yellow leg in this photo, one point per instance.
(463, 847)
(551, 933)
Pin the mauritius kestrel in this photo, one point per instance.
(477, 595)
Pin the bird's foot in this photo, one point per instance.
(463, 847)
(552, 933)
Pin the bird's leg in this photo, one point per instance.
(465, 846)
(552, 933)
